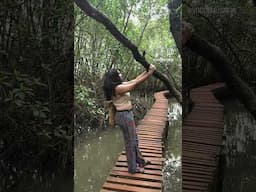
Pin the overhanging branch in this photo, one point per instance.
(103, 19)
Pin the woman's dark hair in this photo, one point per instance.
(111, 80)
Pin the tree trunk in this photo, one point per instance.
(98, 16)
(222, 64)
(175, 21)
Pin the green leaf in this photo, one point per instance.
(21, 95)
(18, 102)
(42, 114)
(35, 112)
(7, 99)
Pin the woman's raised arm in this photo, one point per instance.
(130, 85)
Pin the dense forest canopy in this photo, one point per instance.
(144, 23)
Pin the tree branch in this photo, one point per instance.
(98, 16)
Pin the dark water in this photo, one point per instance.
(96, 154)
(239, 149)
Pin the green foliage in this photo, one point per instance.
(145, 23)
(18, 91)
(86, 102)
(35, 91)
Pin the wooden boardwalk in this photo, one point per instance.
(202, 134)
(150, 132)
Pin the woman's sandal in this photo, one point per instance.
(140, 170)
(147, 162)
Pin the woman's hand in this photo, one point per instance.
(130, 85)
(152, 67)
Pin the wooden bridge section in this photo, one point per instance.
(150, 132)
(202, 140)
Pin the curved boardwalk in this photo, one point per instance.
(150, 132)
(202, 134)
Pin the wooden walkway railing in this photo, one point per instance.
(202, 134)
(150, 132)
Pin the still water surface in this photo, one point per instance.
(95, 155)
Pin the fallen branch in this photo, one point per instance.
(101, 18)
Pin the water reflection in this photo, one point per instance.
(239, 149)
(95, 155)
(172, 164)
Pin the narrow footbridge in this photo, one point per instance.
(202, 133)
(150, 132)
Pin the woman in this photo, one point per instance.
(117, 92)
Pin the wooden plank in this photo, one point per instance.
(196, 179)
(153, 123)
(200, 145)
(156, 134)
(189, 165)
(201, 151)
(151, 166)
(156, 137)
(146, 171)
(106, 190)
(139, 183)
(148, 154)
(152, 140)
(137, 176)
(150, 144)
(195, 174)
(196, 171)
(149, 158)
(193, 183)
(201, 139)
(206, 135)
(127, 188)
(195, 140)
(153, 162)
(199, 156)
(207, 139)
(199, 161)
(150, 151)
(149, 147)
